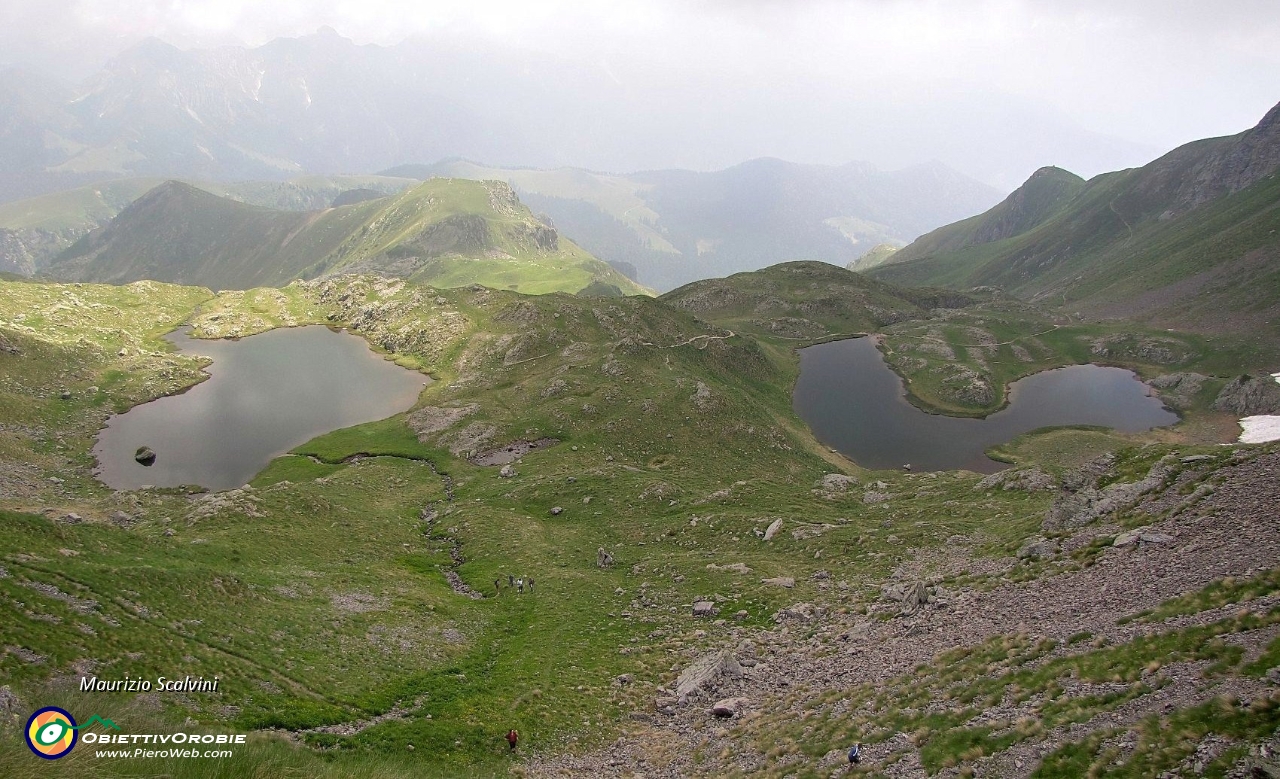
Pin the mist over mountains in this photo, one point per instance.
(322, 104)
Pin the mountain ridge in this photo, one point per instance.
(447, 232)
(1188, 240)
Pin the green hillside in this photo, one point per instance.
(180, 234)
(447, 232)
(666, 228)
(1191, 240)
(332, 595)
(35, 230)
(805, 301)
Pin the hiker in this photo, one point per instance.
(512, 738)
(520, 586)
(511, 580)
(855, 754)
(530, 585)
(497, 585)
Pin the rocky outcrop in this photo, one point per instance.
(1248, 396)
(1179, 389)
(1075, 509)
(704, 673)
(1025, 479)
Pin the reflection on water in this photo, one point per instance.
(856, 404)
(266, 394)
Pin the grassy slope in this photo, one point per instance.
(509, 259)
(803, 301)
(83, 208)
(184, 235)
(319, 596)
(510, 662)
(1113, 249)
(617, 196)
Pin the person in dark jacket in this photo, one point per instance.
(512, 737)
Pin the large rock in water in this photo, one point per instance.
(145, 456)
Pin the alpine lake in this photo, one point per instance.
(855, 404)
(265, 395)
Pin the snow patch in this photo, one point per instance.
(1259, 429)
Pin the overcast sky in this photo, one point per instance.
(1155, 73)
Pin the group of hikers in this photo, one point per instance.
(518, 585)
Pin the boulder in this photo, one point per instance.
(145, 456)
(603, 558)
(728, 707)
(704, 608)
(557, 511)
(705, 672)
(1037, 547)
(506, 472)
(1141, 536)
(912, 595)
(780, 581)
(799, 612)
(1024, 479)
(773, 529)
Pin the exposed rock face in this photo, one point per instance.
(1028, 479)
(434, 419)
(1179, 389)
(1254, 156)
(1071, 510)
(834, 485)
(513, 451)
(1247, 396)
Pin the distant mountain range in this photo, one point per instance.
(1191, 240)
(667, 228)
(662, 228)
(444, 232)
(322, 104)
(35, 230)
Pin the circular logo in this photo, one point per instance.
(51, 732)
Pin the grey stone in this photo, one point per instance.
(728, 707)
(773, 529)
(1037, 547)
(704, 671)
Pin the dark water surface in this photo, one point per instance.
(266, 394)
(856, 404)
